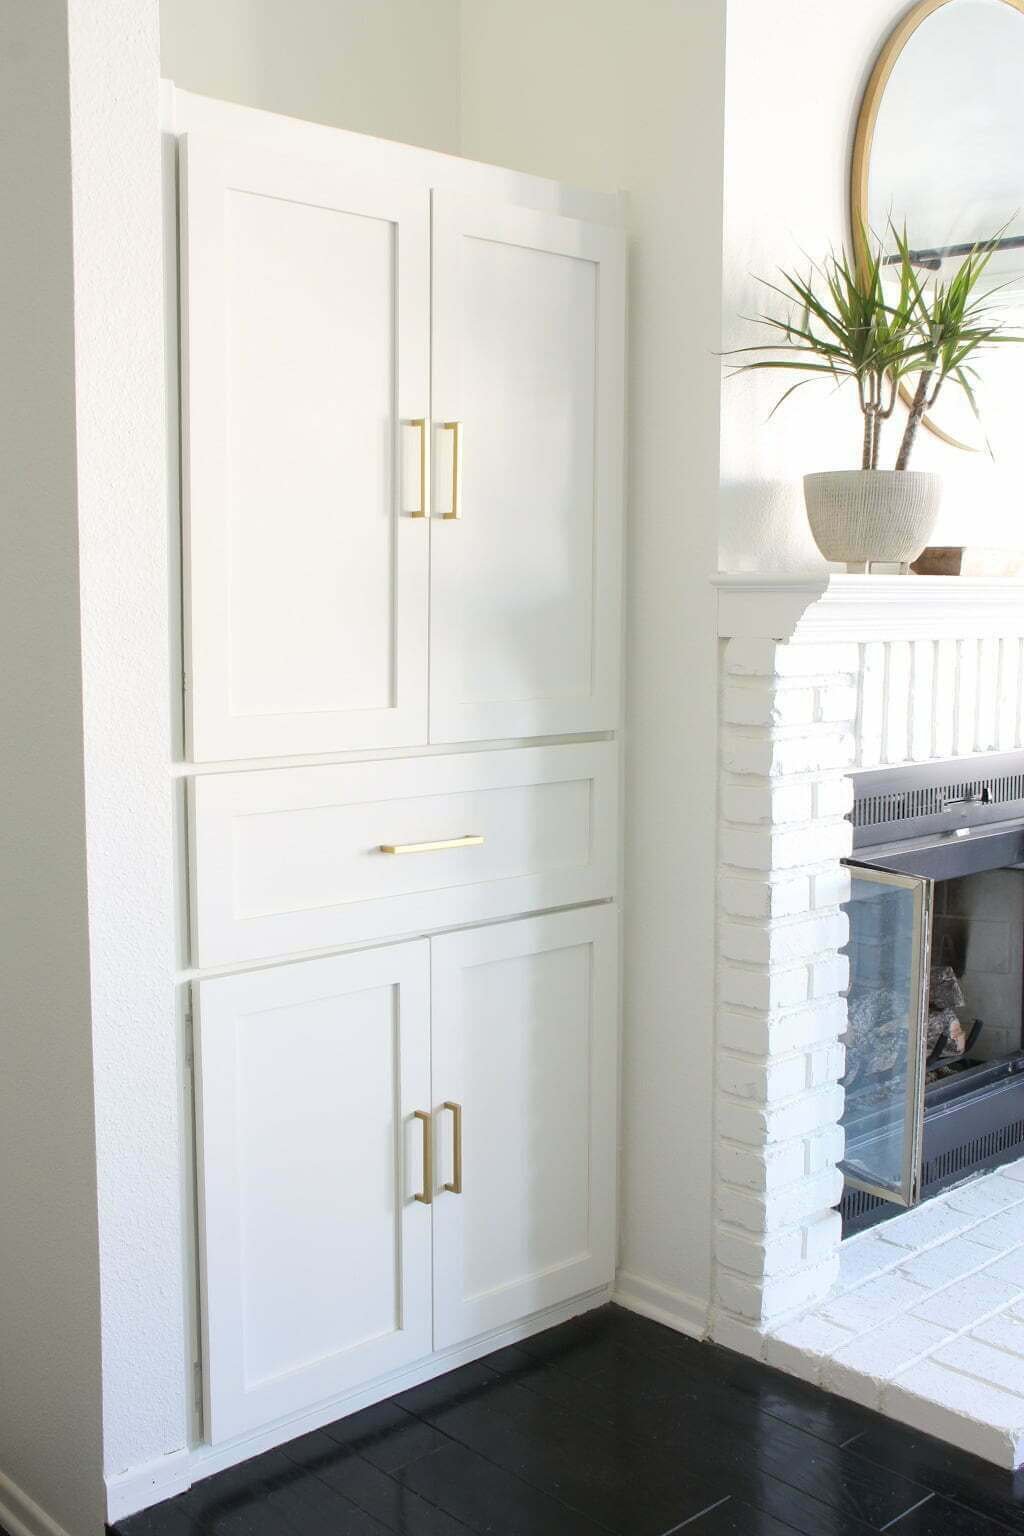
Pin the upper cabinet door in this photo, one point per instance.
(305, 314)
(527, 372)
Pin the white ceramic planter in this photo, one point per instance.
(862, 515)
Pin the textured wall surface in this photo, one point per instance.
(788, 144)
(121, 419)
(631, 97)
(49, 1290)
(387, 67)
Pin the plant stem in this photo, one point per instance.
(917, 410)
(869, 437)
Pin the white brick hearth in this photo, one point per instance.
(820, 676)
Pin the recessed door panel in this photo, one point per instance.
(305, 366)
(527, 356)
(315, 1250)
(523, 1075)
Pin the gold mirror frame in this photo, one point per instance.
(864, 141)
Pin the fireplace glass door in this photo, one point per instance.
(890, 919)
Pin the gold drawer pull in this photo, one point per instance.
(455, 1184)
(422, 509)
(455, 428)
(427, 1197)
(473, 840)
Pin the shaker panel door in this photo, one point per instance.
(523, 1064)
(527, 370)
(305, 314)
(315, 1251)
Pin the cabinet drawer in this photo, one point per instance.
(293, 859)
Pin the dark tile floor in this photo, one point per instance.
(609, 1423)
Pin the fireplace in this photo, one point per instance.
(934, 1082)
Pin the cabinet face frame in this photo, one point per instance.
(211, 169)
(458, 1316)
(459, 221)
(233, 1403)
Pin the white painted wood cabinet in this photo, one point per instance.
(402, 464)
(327, 412)
(323, 1126)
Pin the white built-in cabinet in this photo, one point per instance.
(402, 425)
(402, 510)
(401, 1148)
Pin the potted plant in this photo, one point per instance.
(885, 334)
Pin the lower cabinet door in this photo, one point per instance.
(524, 1069)
(315, 1250)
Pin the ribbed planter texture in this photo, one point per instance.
(859, 516)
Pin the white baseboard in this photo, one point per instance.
(744, 1338)
(676, 1309)
(140, 1487)
(22, 1516)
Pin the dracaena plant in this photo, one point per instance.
(878, 324)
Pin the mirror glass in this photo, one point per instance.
(946, 159)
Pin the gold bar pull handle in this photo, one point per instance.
(471, 840)
(427, 1196)
(455, 1183)
(423, 509)
(455, 428)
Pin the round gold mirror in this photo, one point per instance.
(939, 150)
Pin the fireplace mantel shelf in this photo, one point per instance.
(833, 607)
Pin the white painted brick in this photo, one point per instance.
(825, 1148)
(1002, 1231)
(837, 702)
(830, 888)
(749, 657)
(859, 1369)
(967, 1300)
(1014, 1171)
(766, 849)
(785, 942)
(753, 1124)
(757, 896)
(976, 1357)
(763, 989)
(778, 756)
(1004, 1332)
(1009, 1268)
(778, 1033)
(759, 1169)
(777, 1297)
(986, 1195)
(930, 1223)
(980, 1419)
(863, 1257)
(833, 797)
(756, 1257)
(766, 1082)
(829, 975)
(802, 1346)
(947, 1261)
(763, 801)
(875, 1302)
(733, 1333)
(793, 1205)
(822, 1238)
(762, 703)
(826, 1065)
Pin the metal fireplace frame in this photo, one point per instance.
(914, 827)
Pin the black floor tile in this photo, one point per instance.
(489, 1499)
(610, 1425)
(941, 1517)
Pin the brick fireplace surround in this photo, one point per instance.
(821, 676)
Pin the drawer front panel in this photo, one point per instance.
(293, 859)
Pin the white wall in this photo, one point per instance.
(49, 1283)
(631, 97)
(796, 72)
(386, 67)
